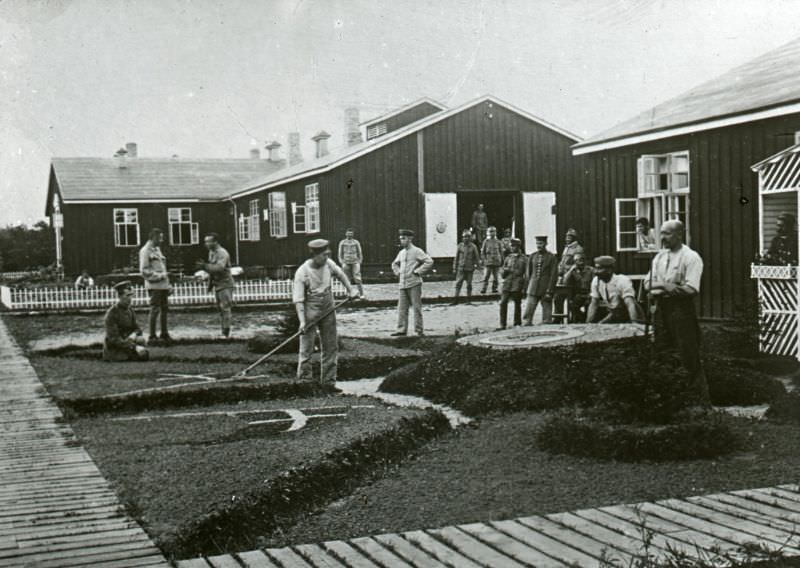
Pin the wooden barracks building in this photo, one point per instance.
(423, 167)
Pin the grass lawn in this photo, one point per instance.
(173, 468)
(494, 471)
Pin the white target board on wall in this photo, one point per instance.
(540, 219)
(441, 224)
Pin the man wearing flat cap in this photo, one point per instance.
(124, 339)
(541, 273)
(513, 273)
(410, 264)
(613, 299)
(312, 295)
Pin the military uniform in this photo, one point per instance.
(465, 262)
(492, 254)
(513, 272)
(541, 274)
(120, 324)
(153, 266)
(579, 283)
(351, 259)
(221, 282)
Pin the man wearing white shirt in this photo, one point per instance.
(409, 266)
(673, 283)
(612, 295)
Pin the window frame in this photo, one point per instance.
(298, 218)
(178, 219)
(618, 216)
(254, 221)
(134, 221)
(312, 209)
(376, 130)
(277, 215)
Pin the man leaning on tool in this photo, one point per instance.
(313, 298)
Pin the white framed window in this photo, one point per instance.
(254, 220)
(244, 227)
(126, 227)
(298, 218)
(312, 208)
(182, 231)
(276, 202)
(663, 195)
(376, 130)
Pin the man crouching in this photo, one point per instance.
(313, 298)
(124, 340)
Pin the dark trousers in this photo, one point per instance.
(158, 311)
(578, 305)
(461, 277)
(676, 329)
(515, 297)
(490, 272)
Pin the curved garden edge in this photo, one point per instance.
(284, 499)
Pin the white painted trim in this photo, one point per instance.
(153, 200)
(590, 147)
(391, 113)
(387, 139)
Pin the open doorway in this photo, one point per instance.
(501, 207)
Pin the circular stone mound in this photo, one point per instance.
(546, 335)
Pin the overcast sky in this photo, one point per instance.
(214, 78)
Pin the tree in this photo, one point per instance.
(27, 248)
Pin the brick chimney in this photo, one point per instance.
(274, 151)
(121, 158)
(352, 132)
(321, 140)
(133, 149)
(255, 154)
(295, 155)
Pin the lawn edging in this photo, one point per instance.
(283, 499)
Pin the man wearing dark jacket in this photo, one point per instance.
(541, 275)
(513, 273)
(124, 338)
(465, 262)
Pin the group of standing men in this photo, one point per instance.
(124, 339)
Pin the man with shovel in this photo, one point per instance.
(313, 298)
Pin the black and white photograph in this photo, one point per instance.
(399, 283)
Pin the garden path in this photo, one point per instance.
(56, 509)
(711, 527)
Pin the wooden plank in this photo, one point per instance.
(783, 493)
(770, 537)
(411, 553)
(544, 543)
(597, 549)
(723, 537)
(89, 556)
(375, 551)
(743, 513)
(769, 499)
(441, 551)
(287, 557)
(192, 563)
(620, 545)
(509, 546)
(350, 556)
(223, 561)
(756, 506)
(317, 556)
(473, 548)
(664, 532)
(255, 559)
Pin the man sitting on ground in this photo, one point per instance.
(124, 338)
(613, 296)
(84, 281)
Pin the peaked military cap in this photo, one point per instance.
(406, 233)
(605, 261)
(318, 245)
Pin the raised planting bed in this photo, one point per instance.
(221, 477)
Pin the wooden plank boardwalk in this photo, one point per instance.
(706, 527)
(56, 509)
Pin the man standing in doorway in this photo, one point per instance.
(220, 279)
(313, 298)
(673, 283)
(513, 283)
(492, 256)
(465, 262)
(480, 222)
(410, 265)
(351, 259)
(153, 266)
(540, 274)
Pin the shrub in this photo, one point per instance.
(785, 408)
(735, 383)
(697, 438)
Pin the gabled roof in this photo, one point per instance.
(345, 154)
(776, 157)
(768, 85)
(156, 179)
(403, 108)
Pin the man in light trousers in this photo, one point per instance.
(313, 297)
(410, 265)
(220, 280)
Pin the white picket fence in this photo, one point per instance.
(183, 294)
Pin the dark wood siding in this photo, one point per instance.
(88, 235)
(409, 116)
(378, 192)
(723, 230)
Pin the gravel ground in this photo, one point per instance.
(171, 470)
(494, 471)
